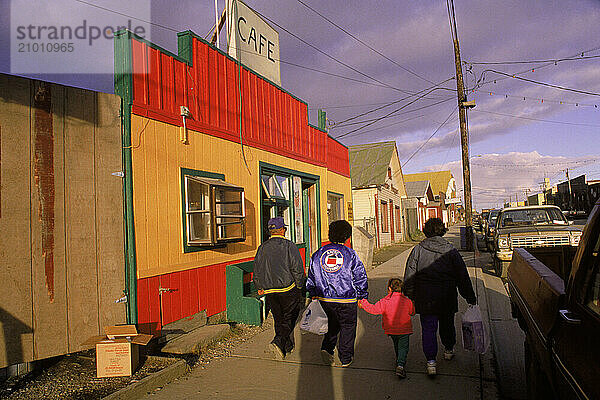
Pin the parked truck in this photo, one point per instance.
(555, 296)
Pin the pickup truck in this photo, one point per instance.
(530, 227)
(555, 296)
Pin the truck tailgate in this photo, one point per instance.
(537, 291)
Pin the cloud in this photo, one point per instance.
(496, 178)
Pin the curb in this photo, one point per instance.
(151, 382)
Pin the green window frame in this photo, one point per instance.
(213, 210)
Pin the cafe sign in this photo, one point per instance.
(253, 41)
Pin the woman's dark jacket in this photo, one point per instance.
(433, 272)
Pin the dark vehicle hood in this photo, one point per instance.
(536, 229)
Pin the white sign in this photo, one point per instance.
(252, 41)
(297, 189)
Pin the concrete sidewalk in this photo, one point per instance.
(252, 373)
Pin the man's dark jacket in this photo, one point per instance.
(278, 265)
(434, 270)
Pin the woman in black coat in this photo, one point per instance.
(434, 270)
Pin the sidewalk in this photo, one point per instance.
(252, 373)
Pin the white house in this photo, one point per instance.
(377, 190)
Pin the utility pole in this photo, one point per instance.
(464, 133)
(526, 196)
(570, 193)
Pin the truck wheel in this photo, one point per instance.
(538, 387)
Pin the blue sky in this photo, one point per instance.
(513, 144)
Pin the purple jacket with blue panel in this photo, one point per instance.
(337, 275)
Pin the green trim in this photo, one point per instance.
(335, 193)
(202, 174)
(274, 168)
(317, 128)
(124, 88)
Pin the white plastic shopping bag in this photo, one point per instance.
(314, 319)
(474, 335)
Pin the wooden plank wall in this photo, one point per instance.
(61, 218)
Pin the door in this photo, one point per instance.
(312, 236)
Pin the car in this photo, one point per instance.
(488, 233)
(530, 226)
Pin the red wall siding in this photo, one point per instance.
(272, 119)
(337, 157)
(192, 291)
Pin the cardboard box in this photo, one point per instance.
(117, 352)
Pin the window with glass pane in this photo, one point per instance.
(215, 211)
(384, 217)
(334, 207)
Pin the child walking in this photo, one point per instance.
(396, 310)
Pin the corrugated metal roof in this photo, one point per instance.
(416, 189)
(369, 163)
(438, 180)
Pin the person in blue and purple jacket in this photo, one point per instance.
(337, 278)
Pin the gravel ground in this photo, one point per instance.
(73, 376)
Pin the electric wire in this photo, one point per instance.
(338, 125)
(363, 43)
(515, 76)
(384, 116)
(536, 119)
(330, 56)
(430, 137)
(556, 60)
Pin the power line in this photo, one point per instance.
(430, 137)
(482, 76)
(536, 119)
(363, 43)
(329, 56)
(555, 61)
(385, 116)
(541, 100)
(515, 76)
(387, 126)
(126, 15)
(435, 87)
(393, 116)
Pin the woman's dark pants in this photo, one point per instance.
(341, 319)
(429, 327)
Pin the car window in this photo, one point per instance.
(524, 217)
(592, 299)
(556, 216)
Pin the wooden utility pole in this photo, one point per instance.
(464, 134)
(570, 192)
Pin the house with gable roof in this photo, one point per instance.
(424, 203)
(377, 190)
(443, 186)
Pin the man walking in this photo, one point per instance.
(279, 274)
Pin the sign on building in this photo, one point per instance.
(252, 41)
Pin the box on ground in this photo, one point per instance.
(117, 352)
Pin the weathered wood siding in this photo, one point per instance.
(61, 218)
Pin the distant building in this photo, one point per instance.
(443, 186)
(377, 190)
(426, 206)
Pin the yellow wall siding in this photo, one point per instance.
(364, 204)
(158, 156)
